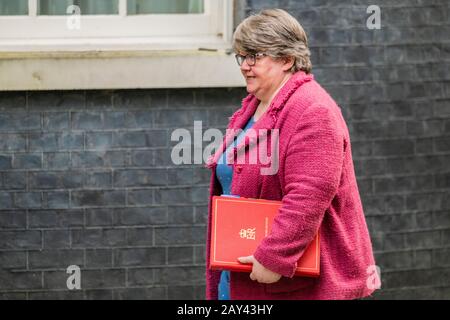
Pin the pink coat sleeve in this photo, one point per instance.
(311, 175)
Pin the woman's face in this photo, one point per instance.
(265, 76)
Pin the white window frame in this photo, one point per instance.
(123, 46)
(161, 31)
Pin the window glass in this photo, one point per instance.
(13, 7)
(87, 7)
(165, 7)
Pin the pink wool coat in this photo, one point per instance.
(317, 186)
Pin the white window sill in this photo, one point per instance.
(125, 64)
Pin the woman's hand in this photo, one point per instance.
(259, 272)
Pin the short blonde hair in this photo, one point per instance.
(276, 33)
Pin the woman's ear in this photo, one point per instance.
(288, 63)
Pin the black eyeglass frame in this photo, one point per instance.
(250, 58)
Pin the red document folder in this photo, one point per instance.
(240, 224)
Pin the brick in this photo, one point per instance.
(98, 159)
(6, 200)
(43, 142)
(140, 277)
(200, 195)
(422, 259)
(179, 275)
(361, 149)
(13, 220)
(430, 201)
(393, 147)
(424, 220)
(99, 258)
(56, 121)
(153, 293)
(55, 258)
(150, 138)
(163, 157)
(179, 235)
(56, 100)
(140, 236)
(58, 279)
(186, 292)
(56, 160)
(181, 214)
(13, 142)
(97, 198)
(425, 127)
(140, 197)
(5, 162)
(13, 260)
(20, 239)
(70, 141)
(55, 218)
(140, 119)
(181, 176)
(27, 161)
(99, 140)
(415, 278)
(394, 241)
(28, 199)
(140, 257)
(95, 238)
(99, 217)
(99, 99)
(424, 239)
(199, 254)
(86, 120)
(56, 200)
(56, 180)
(20, 280)
(442, 144)
(57, 295)
(201, 214)
(405, 184)
(441, 219)
(376, 129)
(394, 260)
(173, 118)
(56, 239)
(140, 178)
(180, 255)
(181, 98)
(13, 100)
(140, 216)
(20, 121)
(98, 179)
(373, 205)
(132, 99)
(173, 195)
(98, 294)
(441, 257)
(424, 146)
(114, 119)
(142, 158)
(103, 279)
(13, 296)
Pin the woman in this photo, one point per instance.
(314, 180)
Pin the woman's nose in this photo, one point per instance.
(245, 66)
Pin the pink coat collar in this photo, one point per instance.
(267, 121)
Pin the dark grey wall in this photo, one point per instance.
(86, 176)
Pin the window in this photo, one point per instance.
(108, 44)
(154, 24)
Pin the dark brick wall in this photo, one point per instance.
(86, 177)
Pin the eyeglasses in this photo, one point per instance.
(250, 58)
